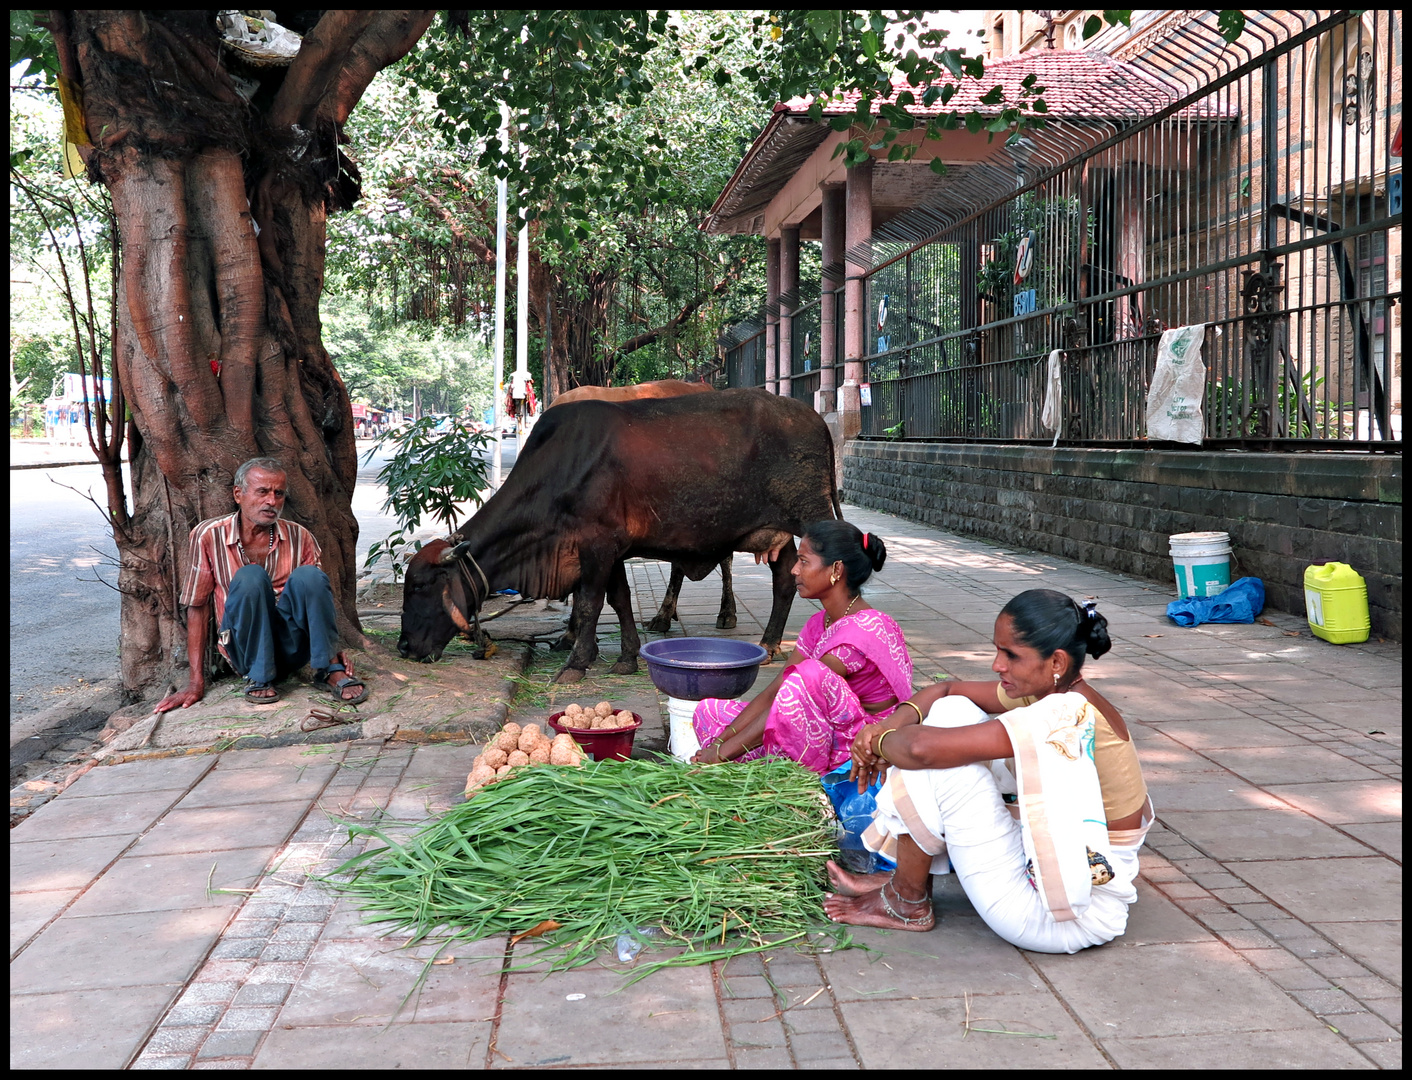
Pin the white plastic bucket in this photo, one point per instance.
(1202, 561)
(681, 737)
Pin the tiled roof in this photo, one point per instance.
(1077, 83)
(1081, 87)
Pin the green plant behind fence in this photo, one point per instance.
(438, 466)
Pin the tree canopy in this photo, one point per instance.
(225, 181)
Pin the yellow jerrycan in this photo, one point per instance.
(1336, 600)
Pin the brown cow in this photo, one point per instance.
(661, 623)
(662, 388)
(686, 480)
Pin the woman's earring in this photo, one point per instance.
(1056, 680)
(833, 578)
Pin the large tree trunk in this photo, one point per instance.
(221, 206)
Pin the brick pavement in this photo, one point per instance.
(163, 916)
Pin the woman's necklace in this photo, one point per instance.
(829, 622)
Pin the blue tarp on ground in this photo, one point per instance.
(1242, 600)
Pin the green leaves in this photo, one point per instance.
(1231, 24)
(824, 25)
(34, 43)
(437, 467)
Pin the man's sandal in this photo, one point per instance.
(335, 690)
(267, 699)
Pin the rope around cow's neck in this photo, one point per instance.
(475, 601)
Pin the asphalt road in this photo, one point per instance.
(63, 622)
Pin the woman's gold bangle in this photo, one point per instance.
(877, 746)
(913, 704)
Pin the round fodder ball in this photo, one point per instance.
(562, 755)
(540, 754)
(502, 770)
(479, 761)
(480, 775)
(529, 736)
(604, 708)
(518, 757)
(512, 727)
(508, 740)
(624, 718)
(495, 757)
(573, 709)
(576, 721)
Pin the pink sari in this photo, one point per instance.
(817, 712)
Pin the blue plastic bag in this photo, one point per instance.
(1242, 600)
(855, 813)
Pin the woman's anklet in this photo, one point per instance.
(928, 917)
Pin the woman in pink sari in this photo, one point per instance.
(849, 667)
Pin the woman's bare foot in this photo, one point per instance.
(847, 884)
(872, 909)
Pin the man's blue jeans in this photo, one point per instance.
(269, 637)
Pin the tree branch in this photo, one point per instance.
(648, 337)
(388, 38)
(316, 69)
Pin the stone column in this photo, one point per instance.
(772, 314)
(858, 234)
(789, 300)
(831, 255)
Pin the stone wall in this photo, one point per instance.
(1116, 508)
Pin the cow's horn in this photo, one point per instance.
(450, 554)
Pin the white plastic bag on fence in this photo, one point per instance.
(1174, 401)
(1051, 415)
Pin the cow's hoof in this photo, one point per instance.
(659, 625)
(564, 644)
(569, 675)
(625, 667)
(772, 652)
(725, 622)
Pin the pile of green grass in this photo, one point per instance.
(723, 860)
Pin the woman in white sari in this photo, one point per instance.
(944, 807)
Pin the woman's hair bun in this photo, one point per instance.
(1095, 626)
(875, 549)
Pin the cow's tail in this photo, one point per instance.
(833, 480)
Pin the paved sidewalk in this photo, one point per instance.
(162, 917)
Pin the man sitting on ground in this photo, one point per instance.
(274, 604)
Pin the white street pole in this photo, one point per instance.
(522, 321)
(500, 199)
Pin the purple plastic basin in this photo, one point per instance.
(696, 667)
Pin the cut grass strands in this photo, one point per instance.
(725, 862)
(968, 1026)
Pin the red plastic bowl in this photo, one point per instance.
(608, 744)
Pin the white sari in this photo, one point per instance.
(1024, 866)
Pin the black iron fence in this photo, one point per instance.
(744, 346)
(1265, 204)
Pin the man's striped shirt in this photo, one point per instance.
(216, 555)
